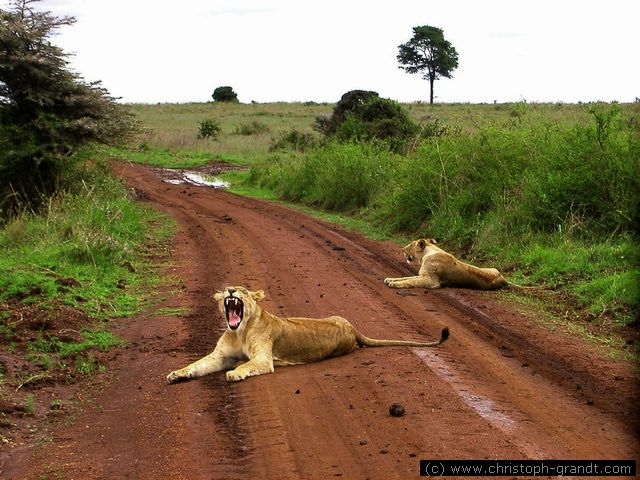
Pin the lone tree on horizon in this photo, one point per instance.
(428, 53)
(225, 94)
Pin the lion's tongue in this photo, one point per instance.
(233, 319)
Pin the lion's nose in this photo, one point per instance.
(231, 291)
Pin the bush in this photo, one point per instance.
(435, 128)
(534, 178)
(224, 94)
(208, 129)
(362, 115)
(350, 103)
(47, 112)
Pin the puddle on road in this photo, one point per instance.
(178, 177)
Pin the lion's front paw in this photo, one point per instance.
(178, 376)
(388, 280)
(235, 376)
(393, 284)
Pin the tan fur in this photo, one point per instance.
(441, 269)
(263, 340)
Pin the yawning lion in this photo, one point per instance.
(255, 340)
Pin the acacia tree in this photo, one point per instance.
(47, 112)
(428, 53)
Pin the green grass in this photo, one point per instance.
(174, 127)
(165, 158)
(83, 250)
(29, 405)
(101, 340)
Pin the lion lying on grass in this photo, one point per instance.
(441, 269)
(255, 341)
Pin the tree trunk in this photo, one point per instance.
(431, 79)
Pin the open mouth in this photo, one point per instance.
(233, 307)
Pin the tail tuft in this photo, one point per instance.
(444, 335)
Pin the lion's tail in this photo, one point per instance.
(372, 342)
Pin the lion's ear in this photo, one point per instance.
(422, 243)
(433, 240)
(218, 296)
(257, 295)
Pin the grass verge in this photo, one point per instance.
(88, 257)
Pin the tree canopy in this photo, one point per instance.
(47, 111)
(224, 94)
(428, 53)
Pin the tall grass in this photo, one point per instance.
(518, 181)
(334, 177)
(174, 127)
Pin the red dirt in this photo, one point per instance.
(502, 387)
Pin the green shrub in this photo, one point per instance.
(47, 112)
(587, 181)
(534, 178)
(363, 116)
(208, 129)
(435, 128)
(350, 103)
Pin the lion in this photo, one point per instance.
(441, 269)
(255, 340)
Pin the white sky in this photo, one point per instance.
(288, 50)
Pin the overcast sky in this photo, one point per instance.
(287, 50)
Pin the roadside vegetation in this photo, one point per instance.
(75, 244)
(87, 257)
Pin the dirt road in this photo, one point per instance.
(501, 388)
